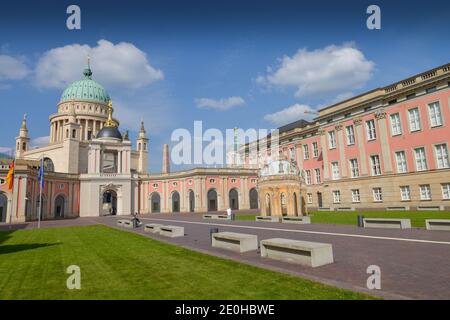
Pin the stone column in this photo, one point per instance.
(341, 148)
(385, 148)
(361, 145)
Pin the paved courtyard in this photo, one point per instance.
(415, 264)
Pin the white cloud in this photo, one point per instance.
(331, 70)
(291, 114)
(222, 104)
(113, 65)
(40, 141)
(12, 68)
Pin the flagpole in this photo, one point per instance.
(12, 193)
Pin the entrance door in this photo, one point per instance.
(319, 199)
(234, 199)
(3, 207)
(59, 206)
(212, 200)
(109, 205)
(191, 201)
(175, 202)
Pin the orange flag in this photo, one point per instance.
(10, 177)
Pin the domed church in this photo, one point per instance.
(92, 169)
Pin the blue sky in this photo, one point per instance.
(252, 64)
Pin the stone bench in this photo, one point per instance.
(216, 217)
(438, 224)
(298, 220)
(312, 254)
(267, 219)
(125, 223)
(238, 242)
(153, 227)
(390, 223)
(171, 231)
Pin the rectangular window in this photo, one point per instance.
(308, 177)
(434, 111)
(396, 126)
(425, 192)
(356, 197)
(318, 178)
(350, 135)
(335, 170)
(309, 197)
(332, 139)
(292, 153)
(377, 195)
(446, 191)
(441, 156)
(421, 160)
(315, 149)
(400, 158)
(371, 132)
(354, 168)
(376, 166)
(305, 152)
(414, 119)
(405, 193)
(336, 196)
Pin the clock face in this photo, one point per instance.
(109, 162)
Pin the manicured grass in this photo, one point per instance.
(121, 265)
(350, 217)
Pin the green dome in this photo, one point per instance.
(86, 89)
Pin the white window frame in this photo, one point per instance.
(377, 194)
(305, 152)
(445, 187)
(425, 192)
(335, 172)
(318, 176)
(309, 197)
(421, 163)
(354, 169)
(375, 164)
(336, 196)
(332, 139)
(371, 130)
(315, 147)
(350, 132)
(414, 122)
(441, 156)
(356, 196)
(308, 177)
(396, 124)
(405, 193)
(435, 114)
(401, 164)
(292, 153)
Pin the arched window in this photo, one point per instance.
(155, 200)
(175, 201)
(253, 195)
(212, 200)
(234, 199)
(191, 201)
(48, 165)
(283, 204)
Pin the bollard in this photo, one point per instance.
(211, 231)
(360, 221)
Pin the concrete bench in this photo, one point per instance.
(438, 224)
(125, 223)
(267, 219)
(153, 227)
(298, 220)
(216, 217)
(390, 223)
(312, 254)
(171, 231)
(238, 242)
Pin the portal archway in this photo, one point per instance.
(155, 203)
(212, 200)
(234, 199)
(60, 203)
(109, 203)
(175, 201)
(3, 207)
(253, 196)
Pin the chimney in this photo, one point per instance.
(166, 159)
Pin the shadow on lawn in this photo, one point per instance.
(11, 248)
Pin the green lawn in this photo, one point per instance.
(350, 217)
(117, 264)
